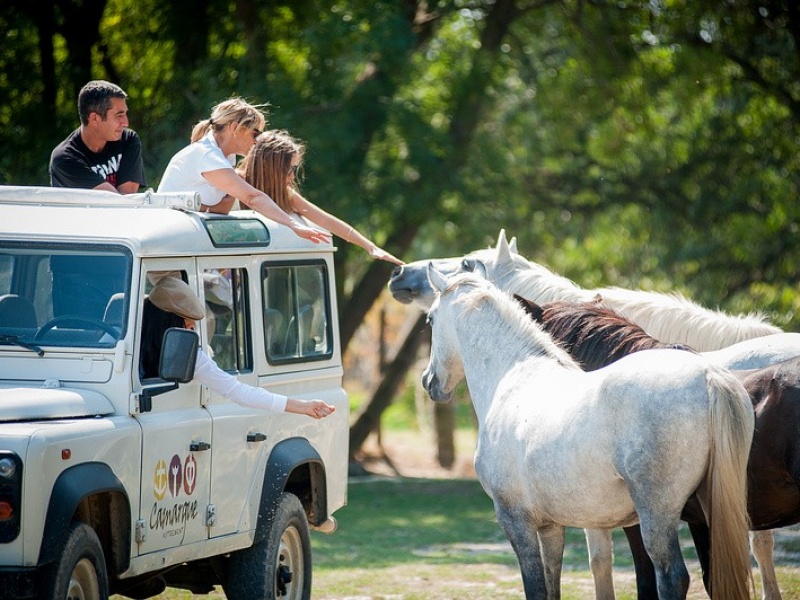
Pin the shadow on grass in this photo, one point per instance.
(399, 521)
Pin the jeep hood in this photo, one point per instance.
(29, 404)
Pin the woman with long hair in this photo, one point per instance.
(272, 166)
(206, 166)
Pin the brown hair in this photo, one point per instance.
(266, 167)
(234, 110)
(95, 97)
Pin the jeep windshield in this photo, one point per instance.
(63, 295)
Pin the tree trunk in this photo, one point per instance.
(81, 31)
(372, 283)
(469, 106)
(444, 414)
(367, 421)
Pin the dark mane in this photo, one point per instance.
(594, 335)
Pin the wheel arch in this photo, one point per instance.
(294, 466)
(92, 493)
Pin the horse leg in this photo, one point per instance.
(601, 562)
(524, 538)
(645, 573)
(551, 542)
(660, 535)
(702, 544)
(762, 544)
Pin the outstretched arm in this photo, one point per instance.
(231, 183)
(208, 373)
(338, 227)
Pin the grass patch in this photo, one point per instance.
(400, 521)
(437, 539)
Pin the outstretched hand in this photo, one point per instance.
(382, 254)
(309, 233)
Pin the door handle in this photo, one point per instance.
(256, 437)
(199, 446)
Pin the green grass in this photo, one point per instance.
(437, 539)
(421, 538)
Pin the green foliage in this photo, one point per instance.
(638, 144)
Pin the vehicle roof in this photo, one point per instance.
(150, 224)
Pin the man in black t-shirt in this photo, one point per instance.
(102, 154)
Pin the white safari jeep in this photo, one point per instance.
(114, 484)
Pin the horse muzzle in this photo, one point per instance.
(433, 386)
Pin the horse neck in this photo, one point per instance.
(512, 340)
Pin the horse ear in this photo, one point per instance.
(436, 278)
(512, 245)
(534, 310)
(503, 251)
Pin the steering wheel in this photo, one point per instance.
(75, 321)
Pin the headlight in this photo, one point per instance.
(8, 468)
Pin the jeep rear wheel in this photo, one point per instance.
(278, 567)
(79, 573)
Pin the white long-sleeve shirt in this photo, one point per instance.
(208, 373)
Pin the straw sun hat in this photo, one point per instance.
(174, 295)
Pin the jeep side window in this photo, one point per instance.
(226, 313)
(296, 312)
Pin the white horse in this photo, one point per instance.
(559, 447)
(670, 318)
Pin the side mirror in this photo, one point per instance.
(178, 355)
(178, 360)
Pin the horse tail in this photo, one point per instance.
(732, 421)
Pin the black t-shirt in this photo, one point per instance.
(73, 165)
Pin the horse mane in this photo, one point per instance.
(669, 317)
(673, 317)
(594, 335)
(476, 292)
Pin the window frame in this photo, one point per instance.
(242, 323)
(320, 263)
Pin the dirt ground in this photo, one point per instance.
(413, 454)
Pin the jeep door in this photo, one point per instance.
(241, 435)
(176, 450)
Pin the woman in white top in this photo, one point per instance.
(172, 303)
(206, 166)
(272, 166)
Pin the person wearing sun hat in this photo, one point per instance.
(172, 303)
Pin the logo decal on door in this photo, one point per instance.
(180, 479)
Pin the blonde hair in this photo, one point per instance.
(266, 167)
(234, 110)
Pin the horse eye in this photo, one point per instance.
(466, 265)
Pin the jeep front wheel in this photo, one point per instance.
(278, 567)
(79, 572)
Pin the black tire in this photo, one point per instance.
(261, 571)
(79, 573)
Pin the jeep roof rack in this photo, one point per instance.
(48, 196)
